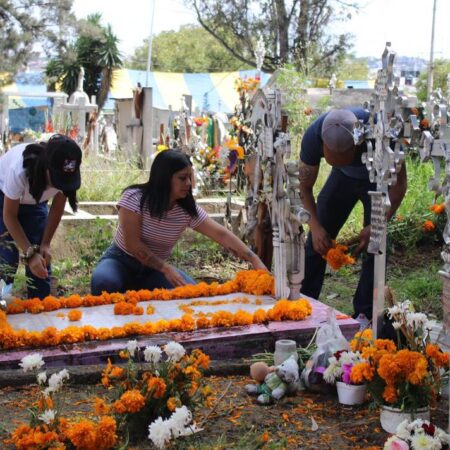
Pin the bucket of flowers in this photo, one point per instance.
(339, 371)
(404, 377)
(417, 434)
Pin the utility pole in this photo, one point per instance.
(150, 43)
(431, 65)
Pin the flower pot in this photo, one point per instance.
(351, 394)
(391, 417)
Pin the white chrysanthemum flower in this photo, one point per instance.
(416, 320)
(30, 362)
(403, 430)
(132, 346)
(159, 432)
(174, 351)
(48, 416)
(152, 354)
(42, 377)
(349, 358)
(332, 372)
(56, 381)
(179, 419)
(442, 435)
(421, 441)
(393, 311)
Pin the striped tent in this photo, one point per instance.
(215, 90)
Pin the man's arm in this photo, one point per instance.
(308, 176)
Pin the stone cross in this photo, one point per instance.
(383, 164)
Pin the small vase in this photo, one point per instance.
(284, 348)
(391, 417)
(351, 394)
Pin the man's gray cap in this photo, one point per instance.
(337, 130)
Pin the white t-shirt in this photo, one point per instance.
(13, 179)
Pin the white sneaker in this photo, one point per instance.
(364, 322)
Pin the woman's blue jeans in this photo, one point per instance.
(119, 272)
(33, 219)
(335, 202)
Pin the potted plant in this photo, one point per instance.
(417, 434)
(403, 377)
(338, 372)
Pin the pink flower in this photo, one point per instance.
(347, 370)
(397, 444)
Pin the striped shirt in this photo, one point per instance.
(160, 235)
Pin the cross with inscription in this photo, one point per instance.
(383, 164)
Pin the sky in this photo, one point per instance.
(406, 24)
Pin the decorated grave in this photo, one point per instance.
(232, 320)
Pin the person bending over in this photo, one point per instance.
(152, 217)
(331, 136)
(30, 175)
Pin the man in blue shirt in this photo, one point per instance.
(331, 136)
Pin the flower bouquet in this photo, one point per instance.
(339, 371)
(419, 434)
(403, 377)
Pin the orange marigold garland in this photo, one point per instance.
(337, 257)
(256, 282)
(282, 310)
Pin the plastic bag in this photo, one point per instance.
(329, 340)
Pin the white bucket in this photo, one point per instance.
(351, 394)
(390, 417)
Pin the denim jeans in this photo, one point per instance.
(335, 202)
(118, 272)
(33, 219)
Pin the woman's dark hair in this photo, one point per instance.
(36, 163)
(156, 192)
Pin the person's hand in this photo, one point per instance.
(173, 276)
(44, 250)
(364, 238)
(321, 241)
(38, 266)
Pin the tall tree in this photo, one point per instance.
(440, 73)
(96, 50)
(294, 31)
(196, 51)
(353, 68)
(24, 23)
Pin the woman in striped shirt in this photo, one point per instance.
(152, 217)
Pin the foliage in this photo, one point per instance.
(293, 86)
(196, 51)
(96, 50)
(440, 72)
(105, 180)
(99, 234)
(353, 68)
(292, 31)
(24, 23)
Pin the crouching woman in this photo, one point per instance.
(152, 217)
(30, 175)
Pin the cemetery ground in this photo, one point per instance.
(235, 421)
(307, 421)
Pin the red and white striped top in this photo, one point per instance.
(159, 234)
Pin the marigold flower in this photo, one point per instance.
(440, 358)
(74, 315)
(428, 226)
(156, 387)
(438, 208)
(82, 434)
(131, 401)
(336, 256)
